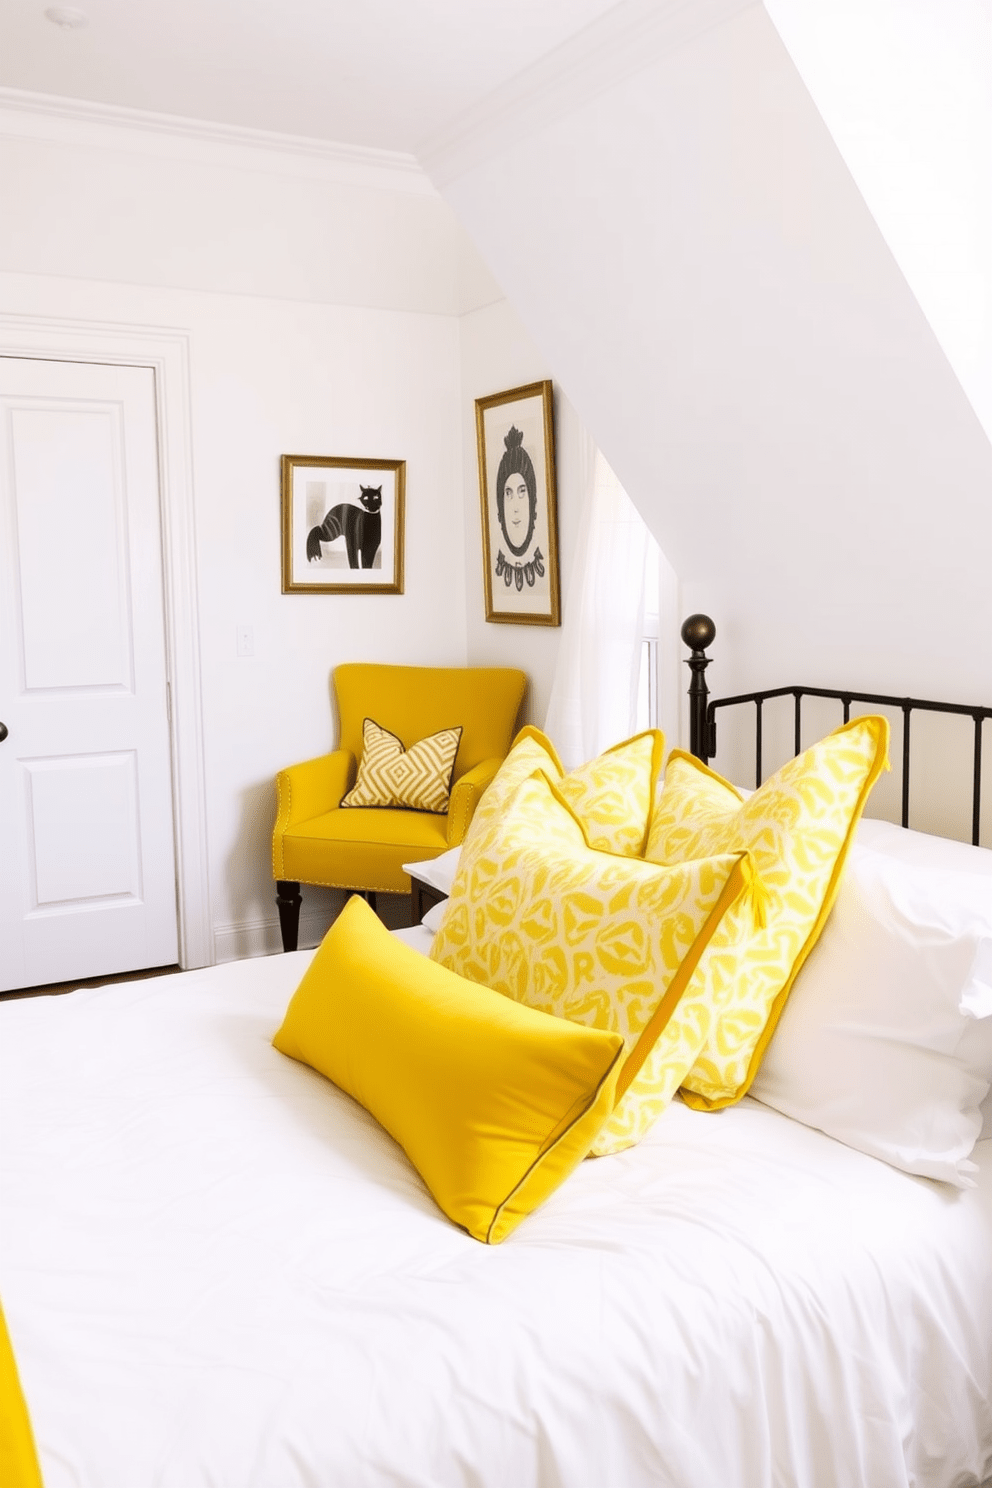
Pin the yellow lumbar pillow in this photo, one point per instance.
(493, 1103)
(611, 795)
(798, 828)
(389, 775)
(608, 941)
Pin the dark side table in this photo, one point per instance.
(423, 896)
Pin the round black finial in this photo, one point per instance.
(698, 632)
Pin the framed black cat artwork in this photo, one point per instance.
(342, 525)
(516, 439)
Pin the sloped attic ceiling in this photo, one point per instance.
(673, 222)
(905, 88)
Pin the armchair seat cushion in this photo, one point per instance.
(364, 846)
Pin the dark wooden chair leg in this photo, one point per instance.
(288, 900)
(370, 896)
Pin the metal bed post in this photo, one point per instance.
(698, 633)
(976, 793)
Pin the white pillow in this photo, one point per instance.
(438, 872)
(886, 1040)
(920, 847)
(930, 852)
(432, 919)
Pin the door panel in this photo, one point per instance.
(85, 775)
(83, 828)
(70, 515)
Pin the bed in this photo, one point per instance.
(217, 1269)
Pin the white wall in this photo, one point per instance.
(498, 354)
(98, 193)
(321, 299)
(267, 378)
(680, 236)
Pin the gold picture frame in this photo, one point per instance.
(516, 443)
(342, 525)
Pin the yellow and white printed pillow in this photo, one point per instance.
(607, 941)
(418, 778)
(612, 794)
(531, 750)
(798, 828)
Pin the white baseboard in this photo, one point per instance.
(246, 938)
(262, 938)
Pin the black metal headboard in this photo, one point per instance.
(699, 631)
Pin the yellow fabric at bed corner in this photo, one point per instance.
(18, 1458)
(798, 827)
(493, 1103)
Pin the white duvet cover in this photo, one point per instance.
(218, 1272)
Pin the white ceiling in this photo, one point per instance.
(378, 73)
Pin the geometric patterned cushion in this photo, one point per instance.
(612, 794)
(608, 941)
(418, 777)
(798, 828)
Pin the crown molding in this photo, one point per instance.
(74, 121)
(619, 44)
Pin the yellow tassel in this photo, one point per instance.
(760, 897)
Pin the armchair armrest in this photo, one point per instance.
(313, 787)
(466, 796)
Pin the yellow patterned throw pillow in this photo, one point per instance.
(612, 794)
(798, 828)
(389, 775)
(608, 941)
(531, 750)
(493, 1103)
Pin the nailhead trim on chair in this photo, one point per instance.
(464, 828)
(280, 872)
(321, 883)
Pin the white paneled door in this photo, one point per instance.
(87, 859)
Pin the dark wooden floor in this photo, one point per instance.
(55, 988)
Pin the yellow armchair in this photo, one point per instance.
(316, 841)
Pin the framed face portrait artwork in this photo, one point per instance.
(342, 525)
(516, 440)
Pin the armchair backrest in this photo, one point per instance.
(413, 702)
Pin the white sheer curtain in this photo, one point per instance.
(594, 693)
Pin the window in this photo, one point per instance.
(648, 710)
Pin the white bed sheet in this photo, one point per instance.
(217, 1270)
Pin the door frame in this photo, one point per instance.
(167, 353)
